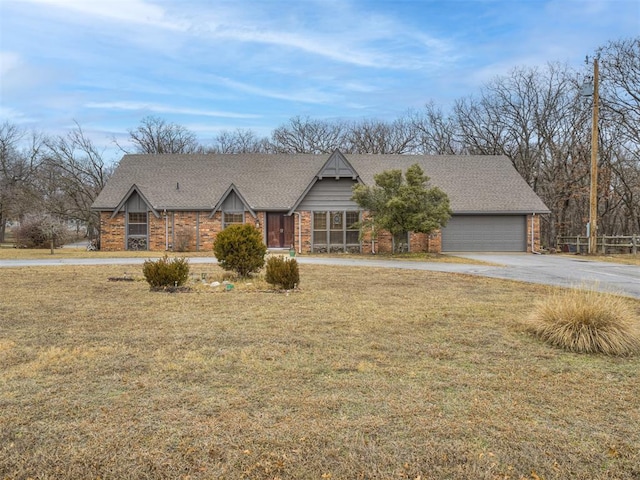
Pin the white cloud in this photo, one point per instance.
(129, 11)
(309, 95)
(350, 36)
(155, 108)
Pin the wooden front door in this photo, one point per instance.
(279, 230)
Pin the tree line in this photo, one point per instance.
(536, 116)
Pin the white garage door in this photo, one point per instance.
(485, 233)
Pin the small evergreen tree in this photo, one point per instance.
(240, 248)
(403, 204)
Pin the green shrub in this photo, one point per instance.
(166, 272)
(240, 248)
(587, 321)
(283, 272)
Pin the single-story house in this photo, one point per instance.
(181, 202)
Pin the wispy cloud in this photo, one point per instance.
(156, 108)
(253, 64)
(129, 11)
(308, 95)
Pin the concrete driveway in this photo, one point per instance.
(561, 270)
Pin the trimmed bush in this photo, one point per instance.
(240, 248)
(283, 272)
(166, 272)
(587, 321)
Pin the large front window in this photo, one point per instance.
(335, 231)
(137, 231)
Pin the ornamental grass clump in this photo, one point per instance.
(283, 273)
(166, 273)
(587, 321)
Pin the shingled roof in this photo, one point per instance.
(474, 184)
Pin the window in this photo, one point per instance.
(232, 219)
(352, 230)
(337, 228)
(320, 228)
(137, 224)
(137, 231)
(336, 231)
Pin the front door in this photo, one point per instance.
(279, 230)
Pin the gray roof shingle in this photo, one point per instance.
(474, 184)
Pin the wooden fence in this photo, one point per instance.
(605, 244)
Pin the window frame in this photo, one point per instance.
(332, 225)
(137, 223)
(226, 222)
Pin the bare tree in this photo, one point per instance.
(620, 127)
(239, 141)
(154, 135)
(20, 157)
(436, 133)
(76, 170)
(304, 135)
(376, 136)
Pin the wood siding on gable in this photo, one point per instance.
(330, 194)
(338, 167)
(136, 204)
(232, 203)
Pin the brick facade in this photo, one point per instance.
(536, 233)
(196, 231)
(112, 232)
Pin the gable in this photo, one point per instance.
(136, 203)
(337, 167)
(233, 203)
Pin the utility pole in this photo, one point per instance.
(593, 197)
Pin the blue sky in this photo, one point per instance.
(220, 65)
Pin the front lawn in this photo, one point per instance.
(363, 373)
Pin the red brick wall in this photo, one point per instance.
(156, 228)
(536, 233)
(303, 231)
(209, 228)
(180, 231)
(112, 233)
(184, 234)
(435, 242)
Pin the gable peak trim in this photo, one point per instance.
(134, 189)
(337, 166)
(234, 189)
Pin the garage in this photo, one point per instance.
(485, 233)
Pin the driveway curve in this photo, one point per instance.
(559, 270)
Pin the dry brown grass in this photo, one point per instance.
(588, 321)
(363, 373)
(71, 252)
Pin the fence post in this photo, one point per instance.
(634, 244)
